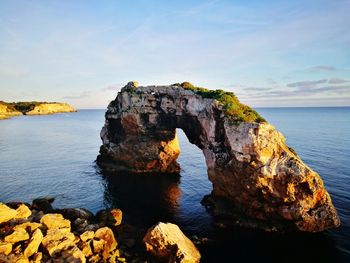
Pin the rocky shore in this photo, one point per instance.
(8, 110)
(38, 233)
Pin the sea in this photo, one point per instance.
(54, 155)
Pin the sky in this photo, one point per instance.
(269, 53)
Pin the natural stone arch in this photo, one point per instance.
(248, 163)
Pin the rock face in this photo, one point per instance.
(248, 163)
(50, 108)
(167, 242)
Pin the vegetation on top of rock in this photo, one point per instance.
(25, 106)
(232, 106)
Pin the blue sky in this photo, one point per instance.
(270, 53)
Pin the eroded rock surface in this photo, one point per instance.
(249, 163)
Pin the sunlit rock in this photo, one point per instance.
(17, 235)
(6, 111)
(6, 213)
(111, 217)
(5, 248)
(23, 211)
(34, 243)
(50, 108)
(30, 226)
(167, 242)
(87, 235)
(52, 221)
(57, 240)
(106, 235)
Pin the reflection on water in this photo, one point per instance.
(245, 245)
(144, 199)
(148, 199)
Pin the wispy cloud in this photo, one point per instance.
(257, 89)
(8, 71)
(337, 81)
(83, 95)
(322, 68)
(302, 91)
(271, 81)
(115, 87)
(306, 83)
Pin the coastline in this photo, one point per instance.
(9, 110)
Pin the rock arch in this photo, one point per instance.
(248, 163)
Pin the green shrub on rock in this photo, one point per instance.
(232, 106)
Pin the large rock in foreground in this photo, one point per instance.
(167, 242)
(248, 161)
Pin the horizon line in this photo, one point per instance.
(269, 107)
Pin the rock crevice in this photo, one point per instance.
(249, 163)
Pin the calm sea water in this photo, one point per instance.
(54, 155)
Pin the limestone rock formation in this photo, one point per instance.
(167, 242)
(50, 108)
(249, 163)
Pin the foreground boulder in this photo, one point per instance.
(167, 242)
(249, 163)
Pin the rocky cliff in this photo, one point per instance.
(8, 110)
(50, 108)
(249, 164)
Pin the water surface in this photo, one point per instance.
(54, 155)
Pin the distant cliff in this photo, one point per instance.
(50, 108)
(8, 110)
